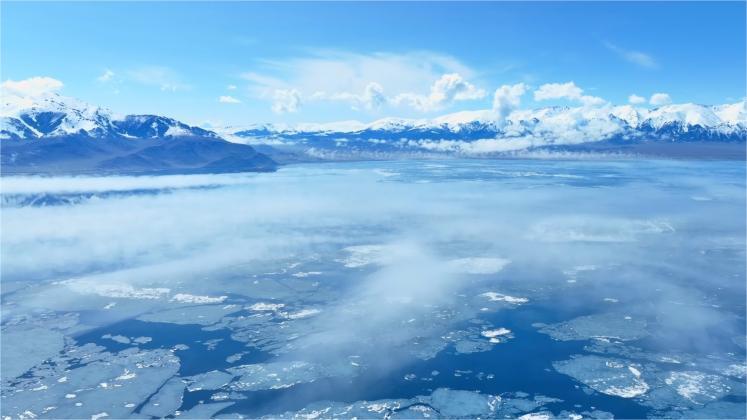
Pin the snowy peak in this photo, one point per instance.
(154, 126)
(684, 114)
(53, 115)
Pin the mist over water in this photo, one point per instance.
(367, 289)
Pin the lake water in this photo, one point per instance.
(453, 288)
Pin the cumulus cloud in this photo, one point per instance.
(31, 87)
(660, 99)
(568, 91)
(360, 79)
(636, 57)
(507, 98)
(447, 89)
(635, 99)
(226, 99)
(371, 98)
(548, 91)
(286, 100)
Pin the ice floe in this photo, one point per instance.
(601, 326)
(201, 315)
(278, 375)
(608, 376)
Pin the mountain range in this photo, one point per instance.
(57, 134)
(54, 134)
(485, 133)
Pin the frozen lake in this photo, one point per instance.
(454, 288)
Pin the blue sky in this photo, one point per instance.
(317, 62)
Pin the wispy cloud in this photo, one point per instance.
(636, 57)
(162, 77)
(106, 76)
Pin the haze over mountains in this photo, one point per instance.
(58, 134)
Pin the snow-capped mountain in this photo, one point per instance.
(54, 115)
(542, 127)
(57, 134)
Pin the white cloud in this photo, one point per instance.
(589, 100)
(636, 57)
(371, 98)
(21, 94)
(106, 76)
(225, 99)
(162, 77)
(660, 99)
(507, 98)
(635, 99)
(447, 89)
(31, 87)
(568, 91)
(360, 79)
(549, 91)
(286, 100)
(231, 87)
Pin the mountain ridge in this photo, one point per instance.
(60, 135)
(141, 141)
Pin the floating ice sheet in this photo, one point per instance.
(615, 377)
(607, 325)
(201, 315)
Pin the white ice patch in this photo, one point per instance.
(496, 335)
(302, 274)
(632, 391)
(611, 300)
(698, 387)
(114, 290)
(363, 255)
(304, 313)
(126, 376)
(735, 370)
(187, 298)
(534, 416)
(261, 306)
(499, 297)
